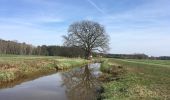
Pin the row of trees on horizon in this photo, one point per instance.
(14, 47)
(136, 56)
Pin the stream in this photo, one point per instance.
(75, 84)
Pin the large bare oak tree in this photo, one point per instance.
(87, 35)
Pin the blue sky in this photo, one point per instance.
(134, 26)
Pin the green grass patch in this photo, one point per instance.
(13, 67)
(140, 82)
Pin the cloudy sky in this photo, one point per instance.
(134, 26)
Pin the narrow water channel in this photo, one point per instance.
(76, 84)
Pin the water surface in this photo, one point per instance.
(76, 84)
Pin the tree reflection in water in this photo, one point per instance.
(81, 84)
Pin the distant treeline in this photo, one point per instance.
(128, 56)
(14, 47)
(136, 56)
(163, 58)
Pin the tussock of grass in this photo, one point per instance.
(6, 76)
(105, 65)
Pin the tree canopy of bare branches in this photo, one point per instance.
(88, 35)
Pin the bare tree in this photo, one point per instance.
(87, 35)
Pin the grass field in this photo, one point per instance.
(151, 62)
(141, 80)
(13, 67)
(123, 79)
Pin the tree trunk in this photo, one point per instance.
(88, 55)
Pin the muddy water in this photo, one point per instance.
(76, 84)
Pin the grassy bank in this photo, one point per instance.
(14, 67)
(136, 79)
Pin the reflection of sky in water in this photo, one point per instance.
(44, 88)
(95, 69)
(77, 84)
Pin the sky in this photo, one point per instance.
(134, 26)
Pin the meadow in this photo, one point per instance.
(136, 79)
(13, 67)
(151, 62)
(122, 79)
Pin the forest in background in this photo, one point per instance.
(14, 47)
